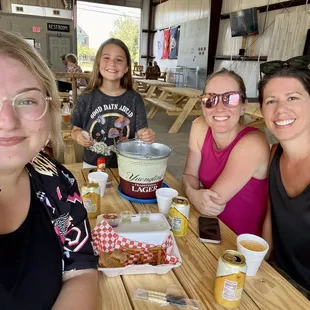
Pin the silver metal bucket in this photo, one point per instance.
(141, 167)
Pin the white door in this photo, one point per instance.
(58, 46)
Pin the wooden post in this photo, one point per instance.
(74, 90)
(243, 44)
(253, 40)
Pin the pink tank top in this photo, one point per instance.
(245, 212)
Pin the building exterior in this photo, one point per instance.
(82, 36)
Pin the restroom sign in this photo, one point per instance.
(58, 27)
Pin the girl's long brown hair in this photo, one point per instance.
(96, 78)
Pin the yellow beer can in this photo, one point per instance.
(230, 278)
(179, 215)
(91, 198)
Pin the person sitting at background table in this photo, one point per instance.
(157, 67)
(284, 96)
(72, 66)
(149, 69)
(109, 110)
(46, 256)
(229, 159)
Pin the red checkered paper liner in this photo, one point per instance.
(105, 239)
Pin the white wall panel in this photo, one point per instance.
(236, 5)
(230, 46)
(289, 35)
(248, 70)
(175, 12)
(180, 12)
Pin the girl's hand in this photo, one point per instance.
(202, 200)
(82, 140)
(147, 135)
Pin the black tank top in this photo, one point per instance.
(30, 263)
(290, 226)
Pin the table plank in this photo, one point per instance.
(253, 109)
(198, 269)
(107, 286)
(152, 282)
(188, 92)
(156, 83)
(113, 202)
(109, 298)
(268, 288)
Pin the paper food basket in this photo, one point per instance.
(136, 235)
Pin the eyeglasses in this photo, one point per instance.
(230, 99)
(299, 62)
(30, 106)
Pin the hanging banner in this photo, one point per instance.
(159, 44)
(166, 44)
(174, 43)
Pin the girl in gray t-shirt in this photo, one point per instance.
(109, 110)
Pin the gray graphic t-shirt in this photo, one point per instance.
(108, 120)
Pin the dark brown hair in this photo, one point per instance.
(303, 76)
(231, 74)
(96, 78)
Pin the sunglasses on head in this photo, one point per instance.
(299, 62)
(230, 99)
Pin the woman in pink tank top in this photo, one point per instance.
(227, 158)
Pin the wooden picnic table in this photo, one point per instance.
(72, 77)
(151, 86)
(195, 277)
(253, 109)
(185, 102)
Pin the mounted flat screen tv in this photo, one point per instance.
(244, 23)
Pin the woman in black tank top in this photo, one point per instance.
(284, 96)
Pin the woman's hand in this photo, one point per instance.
(82, 140)
(202, 200)
(147, 135)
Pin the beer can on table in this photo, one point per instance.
(230, 278)
(91, 198)
(179, 215)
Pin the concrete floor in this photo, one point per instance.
(178, 141)
(161, 124)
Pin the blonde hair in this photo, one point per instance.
(96, 79)
(71, 58)
(14, 46)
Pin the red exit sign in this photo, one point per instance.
(36, 29)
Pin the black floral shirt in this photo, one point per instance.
(57, 189)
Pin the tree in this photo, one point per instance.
(127, 29)
(84, 51)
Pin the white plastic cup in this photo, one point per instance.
(100, 178)
(164, 197)
(253, 258)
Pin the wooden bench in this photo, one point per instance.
(143, 95)
(169, 107)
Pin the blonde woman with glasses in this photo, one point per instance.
(46, 257)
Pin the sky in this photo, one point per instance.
(97, 20)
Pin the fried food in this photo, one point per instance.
(114, 259)
(118, 258)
